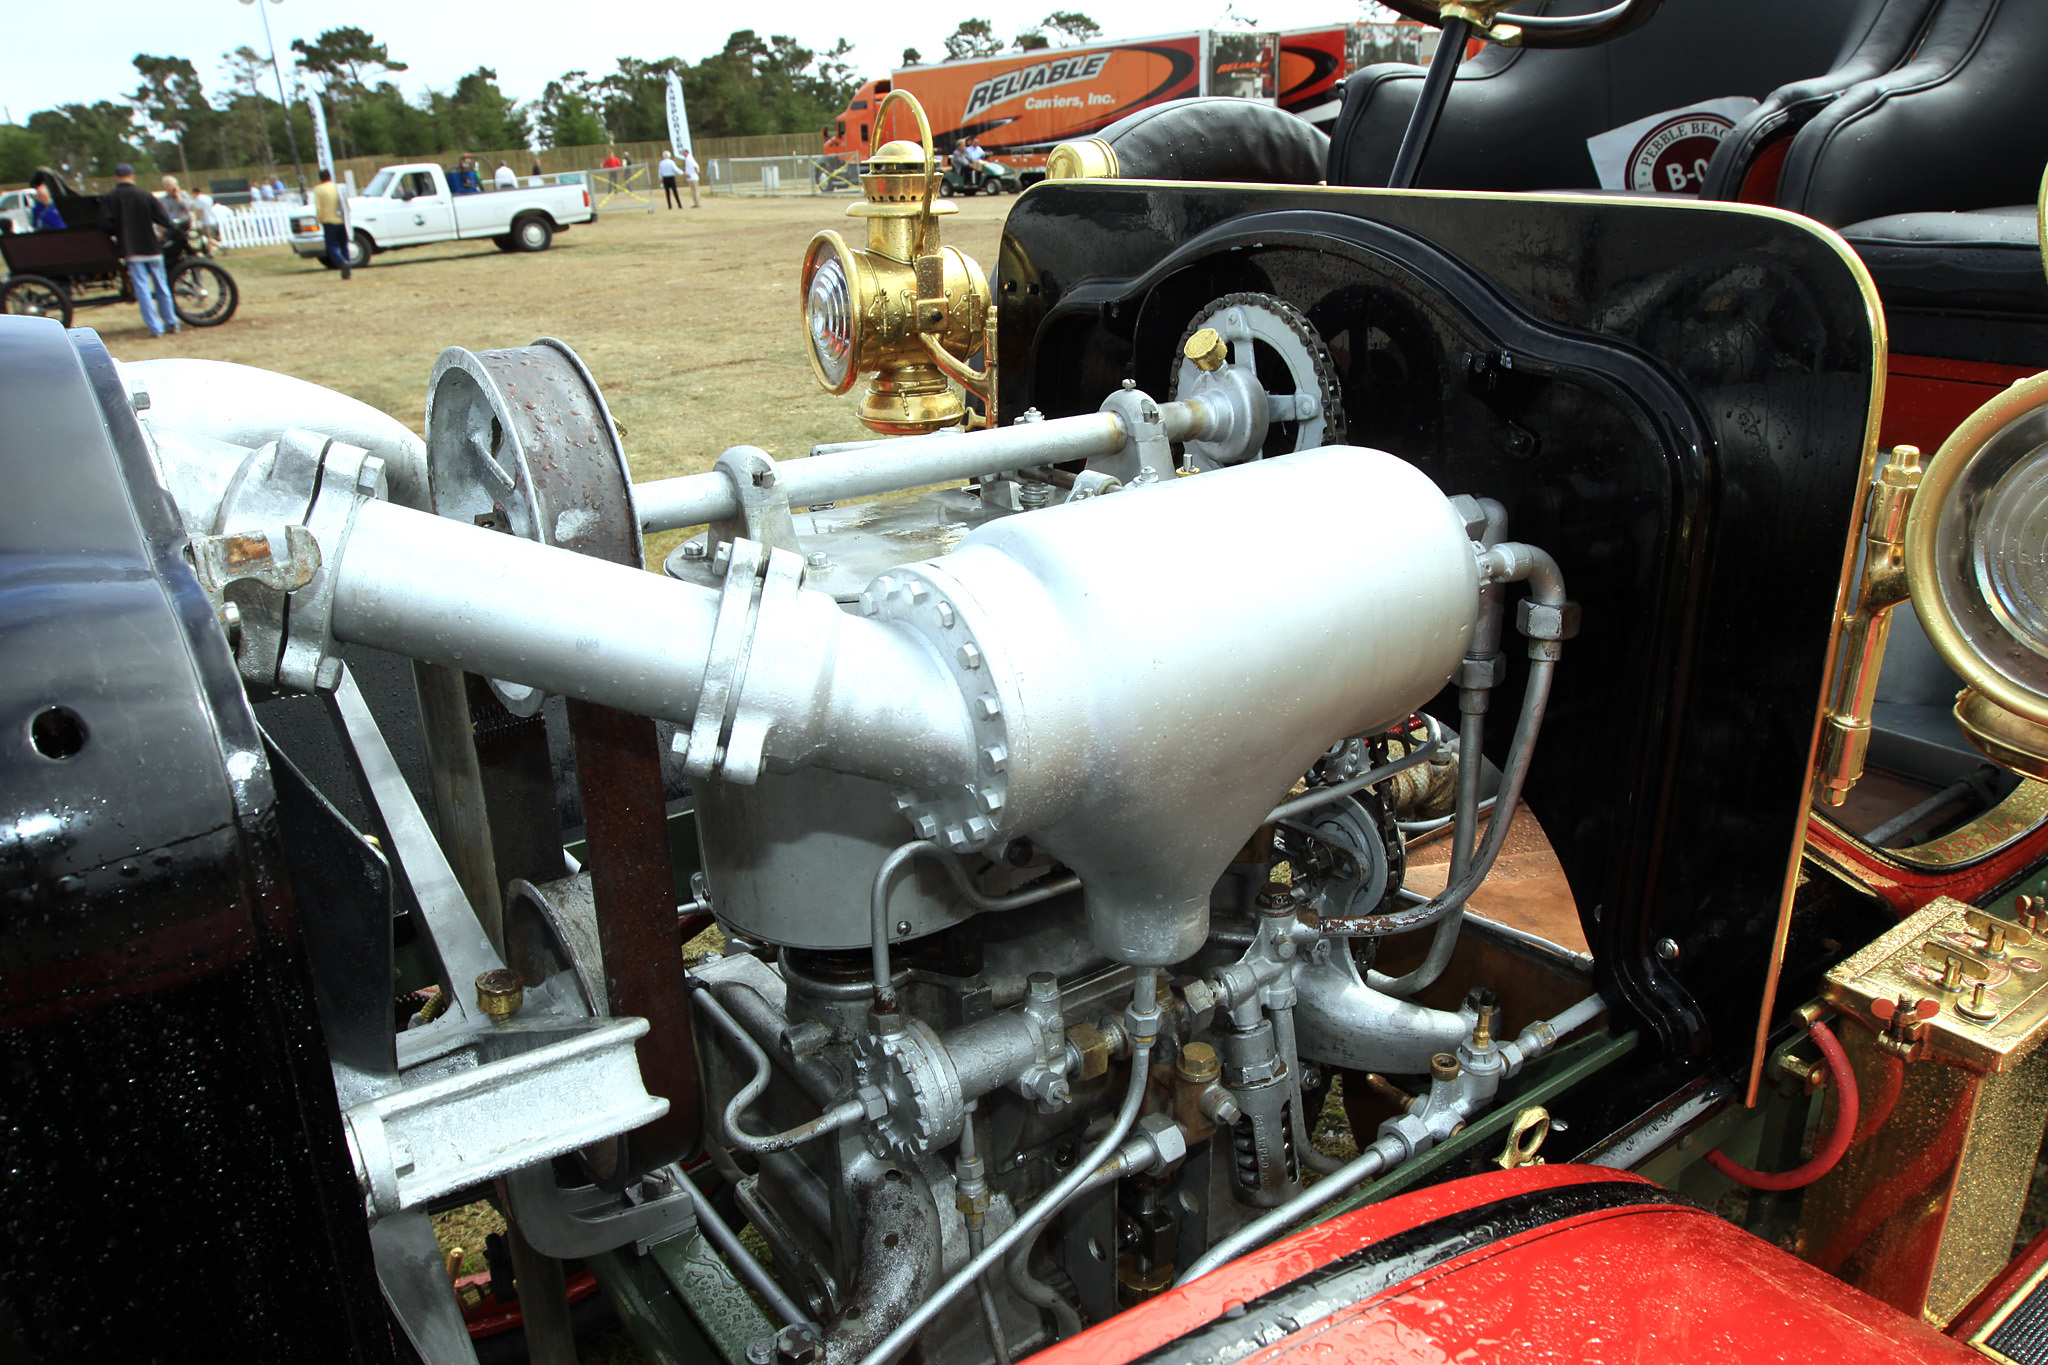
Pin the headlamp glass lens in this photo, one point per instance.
(829, 311)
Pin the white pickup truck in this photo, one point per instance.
(414, 205)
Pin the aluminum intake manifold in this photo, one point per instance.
(1133, 681)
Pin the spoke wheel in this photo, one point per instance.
(35, 296)
(204, 294)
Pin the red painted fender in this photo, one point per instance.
(1566, 1264)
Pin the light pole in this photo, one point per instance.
(298, 167)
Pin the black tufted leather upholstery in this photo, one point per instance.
(1519, 119)
(1218, 138)
(1963, 125)
(1880, 38)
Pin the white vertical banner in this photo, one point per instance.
(323, 155)
(678, 117)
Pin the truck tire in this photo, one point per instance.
(532, 233)
(504, 243)
(360, 250)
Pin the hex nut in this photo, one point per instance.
(1540, 621)
(500, 993)
(1207, 349)
(1198, 1064)
(1093, 1045)
(1481, 674)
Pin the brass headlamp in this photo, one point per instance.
(905, 308)
(1977, 559)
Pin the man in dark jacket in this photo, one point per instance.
(133, 215)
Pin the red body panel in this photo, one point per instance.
(1927, 397)
(1907, 889)
(1654, 1283)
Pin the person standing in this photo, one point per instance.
(506, 178)
(612, 162)
(668, 171)
(42, 214)
(134, 216)
(332, 213)
(690, 174)
(177, 204)
(209, 216)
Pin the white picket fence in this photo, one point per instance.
(257, 224)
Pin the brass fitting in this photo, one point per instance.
(1093, 1046)
(906, 308)
(1207, 349)
(1444, 1067)
(500, 993)
(1198, 1064)
(1867, 626)
(1200, 1102)
(1088, 158)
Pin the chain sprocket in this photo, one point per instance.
(1273, 338)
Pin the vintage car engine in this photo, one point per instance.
(1047, 929)
(1049, 769)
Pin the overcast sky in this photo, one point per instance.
(56, 53)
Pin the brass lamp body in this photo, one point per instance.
(917, 308)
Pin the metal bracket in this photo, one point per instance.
(572, 1086)
(763, 500)
(1145, 456)
(1525, 1139)
(574, 1223)
(349, 476)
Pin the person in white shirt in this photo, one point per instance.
(668, 171)
(690, 174)
(209, 216)
(506, 178)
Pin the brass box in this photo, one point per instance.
(1943, 1018)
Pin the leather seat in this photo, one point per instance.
(1965, 286)
(1748, 161)
(1518, 119)
(1963, 125)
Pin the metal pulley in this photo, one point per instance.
(513, 440)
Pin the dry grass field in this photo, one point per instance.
(687, 318)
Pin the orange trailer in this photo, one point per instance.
(1021, 104)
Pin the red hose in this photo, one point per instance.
(1830, 1151)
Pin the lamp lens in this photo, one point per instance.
(2011, 549)
(829, 310)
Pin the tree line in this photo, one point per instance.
(174, 120)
